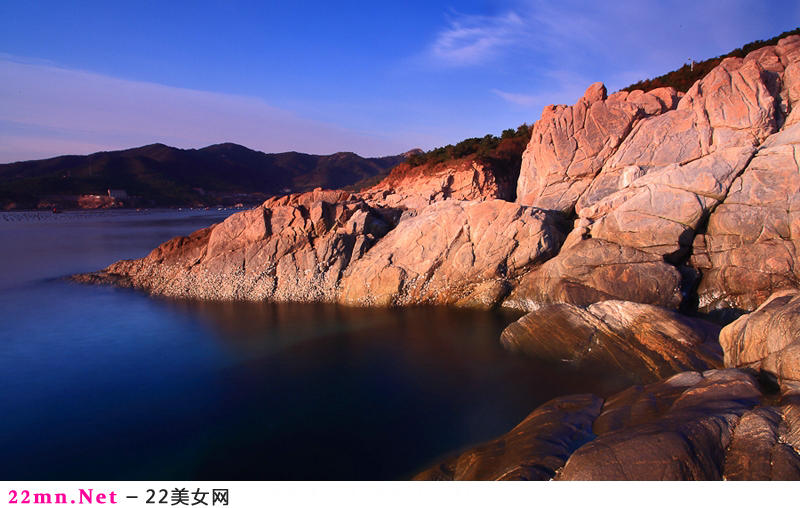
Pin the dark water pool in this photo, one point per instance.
(107, 383)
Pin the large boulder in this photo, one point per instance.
(453, 252)
(645, 341)
(591, 270)
(768, 338)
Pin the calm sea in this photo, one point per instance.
(108, 383)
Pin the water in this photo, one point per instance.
(107, 383)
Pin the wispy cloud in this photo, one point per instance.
(539, 52)
(473, 39)
(46, 110)
(520, 99)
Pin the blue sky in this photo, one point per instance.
(320, 77)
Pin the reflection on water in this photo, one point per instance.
(107, 383)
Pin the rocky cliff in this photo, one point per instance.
(630, 209)
(676, 200)
(667, 190)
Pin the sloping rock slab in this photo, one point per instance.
(594, 270)
(648, 341)
(289, 248)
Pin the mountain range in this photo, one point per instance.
(160, 175)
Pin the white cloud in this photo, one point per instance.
(47, 110)
(470, 39)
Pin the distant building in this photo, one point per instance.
(117, 194)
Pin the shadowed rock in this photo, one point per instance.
(759, 449)
(687, 441)
(693, 426)
(533, 450)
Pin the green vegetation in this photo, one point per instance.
(683, 78)
(489, 148)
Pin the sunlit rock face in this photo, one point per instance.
(454, 252)
(767, 339)
(333, 246)
(659, 198)
(462, 179)
(703, 188)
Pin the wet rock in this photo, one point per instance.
(533, 450)
(643, 340)
(710, 425)
(765, 445)
(683, 440)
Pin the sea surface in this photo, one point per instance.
(106, 383)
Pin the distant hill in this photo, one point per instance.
(160, 175)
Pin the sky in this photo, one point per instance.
(319, 77)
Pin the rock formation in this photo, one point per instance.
(462, 179)
(664, 192)
(646, 341)
(767, 339)
(751, 244)
(665, 201)
(570, 144)
(675, 202)
(693, 426)
(455, 252)
(321, 246)
(533, 450)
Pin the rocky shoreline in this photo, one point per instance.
(633, 212)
